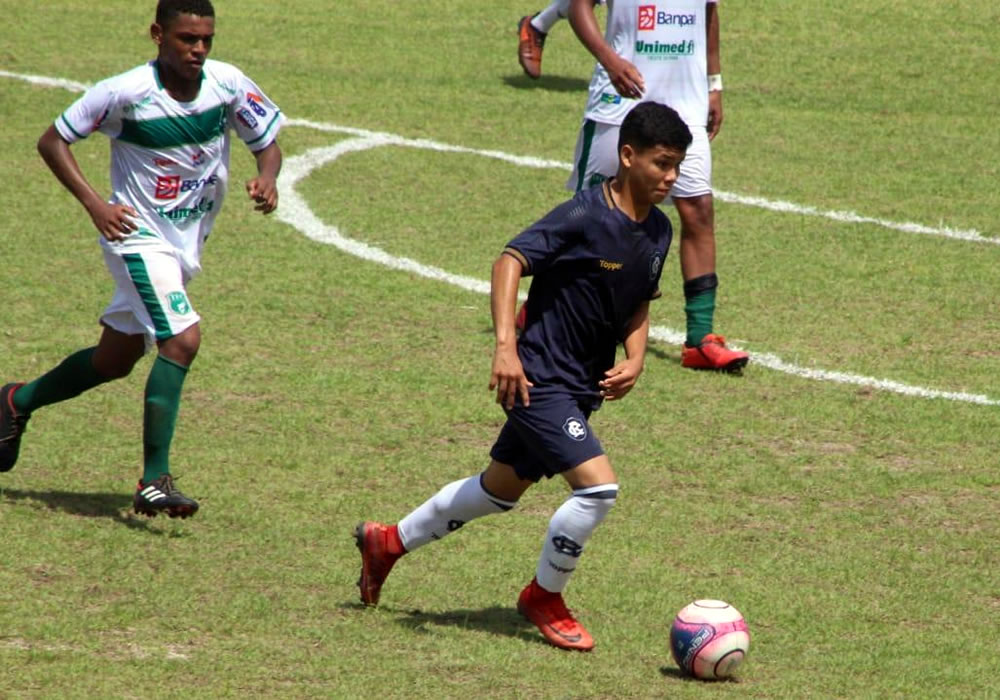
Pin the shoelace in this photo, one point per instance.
(20, 425)
(167, 484)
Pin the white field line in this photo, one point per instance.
(296, 212)
(776, 205)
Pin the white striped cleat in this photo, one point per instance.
(160, 496)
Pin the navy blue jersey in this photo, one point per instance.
(592, 266)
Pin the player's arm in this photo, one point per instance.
(112, 220)
(624, 76)
(620, 379)
(263, 189)
(507, 376)
(714, 68)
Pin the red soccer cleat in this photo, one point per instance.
(530, 43)
(713, 354)
(380, 548)
(548, 611)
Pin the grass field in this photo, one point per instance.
(854, 523)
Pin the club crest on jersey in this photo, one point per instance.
(655, 263)
(575, 428)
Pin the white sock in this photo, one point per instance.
(544, 20)
(569, 529)
(449, 509)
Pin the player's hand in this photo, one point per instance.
(508, 378)
(264, 191)
(620, 379)
(626, 78)
(714, 113)
(114, 221)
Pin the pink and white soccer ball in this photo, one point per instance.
(709, 639)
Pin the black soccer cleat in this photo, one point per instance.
(160, 496)
(12, 425)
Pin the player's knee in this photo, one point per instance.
(183, 347)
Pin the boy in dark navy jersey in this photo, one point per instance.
(595, 262)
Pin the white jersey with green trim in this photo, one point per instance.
(170, 159)
(667, 43)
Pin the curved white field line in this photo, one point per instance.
(296, 212)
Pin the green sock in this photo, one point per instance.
(72, 377)
(699, 306)
(163, 399)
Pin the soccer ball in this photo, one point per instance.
(709, 639)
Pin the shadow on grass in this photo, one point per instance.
(677, 674)
(553, 83)
(88, 505)
(494, 620)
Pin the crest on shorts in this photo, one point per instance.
(575, 428)
(178, 302)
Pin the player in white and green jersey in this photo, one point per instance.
(170, 122)
(669, 53)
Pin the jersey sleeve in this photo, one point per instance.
(254, 116)
(87, 114)
(541, 243)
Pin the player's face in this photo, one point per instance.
(185, 43)
(652, 171)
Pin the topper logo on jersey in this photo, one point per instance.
(575, 428)
(169, 186)
(650, 19)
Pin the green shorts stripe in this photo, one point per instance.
(589, 127)
(140, 278)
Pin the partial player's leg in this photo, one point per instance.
(81, 371)
(150, 298)
(156, 491)
(496, 490)
(531, 33)
(692, 195)
(595, 489)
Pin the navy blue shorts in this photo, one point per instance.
(548, 437)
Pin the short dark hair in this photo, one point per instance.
(167, 10)
(652, 124)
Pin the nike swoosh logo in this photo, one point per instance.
(568, 638)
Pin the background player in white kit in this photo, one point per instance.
(666, 53)
(532, 31)
(169, 122)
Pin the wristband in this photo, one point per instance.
(715, 83)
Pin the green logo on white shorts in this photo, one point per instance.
(179, 303)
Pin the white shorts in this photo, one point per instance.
(595, 159)
(150, 297)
